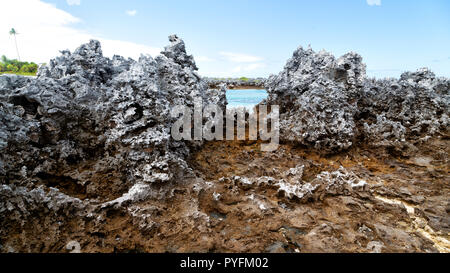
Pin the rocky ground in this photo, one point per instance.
(88, 163)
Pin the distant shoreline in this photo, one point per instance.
(243, 87)
(237, 83)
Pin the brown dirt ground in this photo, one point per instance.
(192, 220)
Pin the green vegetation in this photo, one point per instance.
(243, 79)
(8, 66)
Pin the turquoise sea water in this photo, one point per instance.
(245, 97)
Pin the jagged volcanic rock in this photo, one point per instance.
(87, 160)
(329, 103)
(99, 124)
(400, 113)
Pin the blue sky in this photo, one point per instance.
(256, 37)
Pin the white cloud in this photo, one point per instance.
(131, 12)
(248, 68)
(46, 30)
(374, 2)
(237, 69)
(240, 58)
(73, 2)
(127, 49)
(252, 67)
(203, 59)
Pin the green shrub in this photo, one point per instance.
(12, 68)
(29, 68)
(33, 67)
(15, 66)
(24, 69)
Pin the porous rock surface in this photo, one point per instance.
(330, 104)
(98, 128)
(87, 162)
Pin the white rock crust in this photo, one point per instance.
(292, 186)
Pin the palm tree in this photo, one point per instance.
(13, 32)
